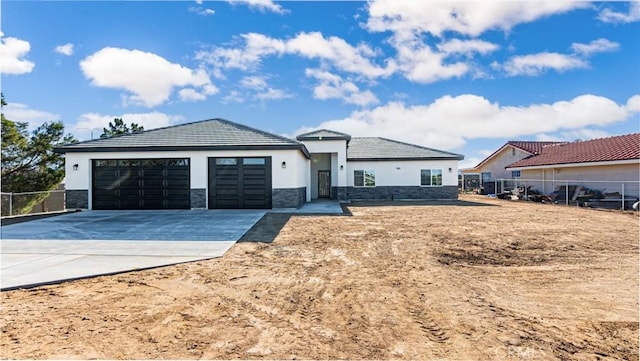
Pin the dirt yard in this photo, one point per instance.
(488, 280)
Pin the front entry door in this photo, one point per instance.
(324, 184)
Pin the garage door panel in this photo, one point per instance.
(141, 184)
(240, 182)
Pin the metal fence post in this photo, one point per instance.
(10, 203)
(566, 190)
(622, 196)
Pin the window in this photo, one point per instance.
(431, 177)
(253, 161)
(364, 178)
(515, 174)
(486, 177)
(226, 161)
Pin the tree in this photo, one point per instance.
(118, 127)
(29, 163)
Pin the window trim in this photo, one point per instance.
(364, 173)
(431, 175)
(514, 176)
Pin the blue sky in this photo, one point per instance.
(464, 77)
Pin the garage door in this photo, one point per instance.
(141, 184)
(240, 183)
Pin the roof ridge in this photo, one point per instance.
(415, 145)
(263, 132)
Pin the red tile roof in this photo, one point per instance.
(531, 147)
(622, 147)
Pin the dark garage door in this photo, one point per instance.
(240, 183)
(141, 184)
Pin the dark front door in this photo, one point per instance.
(240, 183)
(141, 184)
(324, 184)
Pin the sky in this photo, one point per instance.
(464, 77)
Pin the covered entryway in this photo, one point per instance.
(243, 183)
(140, 184)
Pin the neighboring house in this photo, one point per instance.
(220, 164)
(603, 164)
(484, 174)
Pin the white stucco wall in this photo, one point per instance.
(292, 176)
(404, 173)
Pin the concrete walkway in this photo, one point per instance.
(316, 206)
(94, 243)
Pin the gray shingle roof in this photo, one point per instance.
(206, 134)
(324, 134)
(387, 149)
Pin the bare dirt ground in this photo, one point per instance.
(490, 280)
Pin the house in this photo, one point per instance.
(484, 175)
(221, 164)
(609, 165)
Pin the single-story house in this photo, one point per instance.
(484, 175)
(221, 164)
(606, 164)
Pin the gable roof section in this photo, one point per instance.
(531, 147)
(380, 149)
(212, 134)
(324, 134)
(622, 147)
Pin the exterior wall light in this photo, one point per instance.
(450, 170)
(284, 164)
(341, 167)
(75, 166)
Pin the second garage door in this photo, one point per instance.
(240, 183)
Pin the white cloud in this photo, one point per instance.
(66, 49)
(93, 123)
(576, 134)
(405, 18)
(334, 87)
(234, 96)
(201, 11)
(536, 64)
(12, 53)
(199, 2)
(256, 46)
(312, 45)
(422, 65)
(190, 95)
(596, 46)
(193, 95)
(457, 46)
(610, 16)
(18, 112)
(449, 121)
(273, 94)
(261, 5)
(149, 77)
(468, 162)
(253, 82)
(338, 52)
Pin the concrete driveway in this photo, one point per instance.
(94, 243)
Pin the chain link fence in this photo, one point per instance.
(13, 204)
(586, 193)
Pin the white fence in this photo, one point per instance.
(592, 193)
(13, 204)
